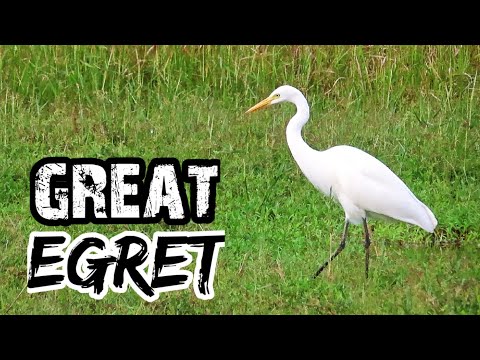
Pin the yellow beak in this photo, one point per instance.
(264, 103)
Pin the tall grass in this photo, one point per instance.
(392, 77)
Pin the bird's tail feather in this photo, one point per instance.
(429, 222)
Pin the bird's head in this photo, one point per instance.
(280, 94)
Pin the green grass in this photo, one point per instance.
(416, 108)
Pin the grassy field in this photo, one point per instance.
(416, 108)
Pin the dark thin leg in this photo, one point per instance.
(367, 246)
(340, 248)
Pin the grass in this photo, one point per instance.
(416, 108)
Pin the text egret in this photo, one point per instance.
(363, 185)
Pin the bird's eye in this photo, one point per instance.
(277, 96)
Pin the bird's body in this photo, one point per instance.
(363, 185)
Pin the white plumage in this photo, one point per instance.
(363, 185)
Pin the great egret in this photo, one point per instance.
(363, 185)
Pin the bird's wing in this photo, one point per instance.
(373, 187)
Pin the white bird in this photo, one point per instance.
(364, 186)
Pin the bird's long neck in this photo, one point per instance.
(297, 145)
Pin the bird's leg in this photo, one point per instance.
(340, 248)
(367, 246)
